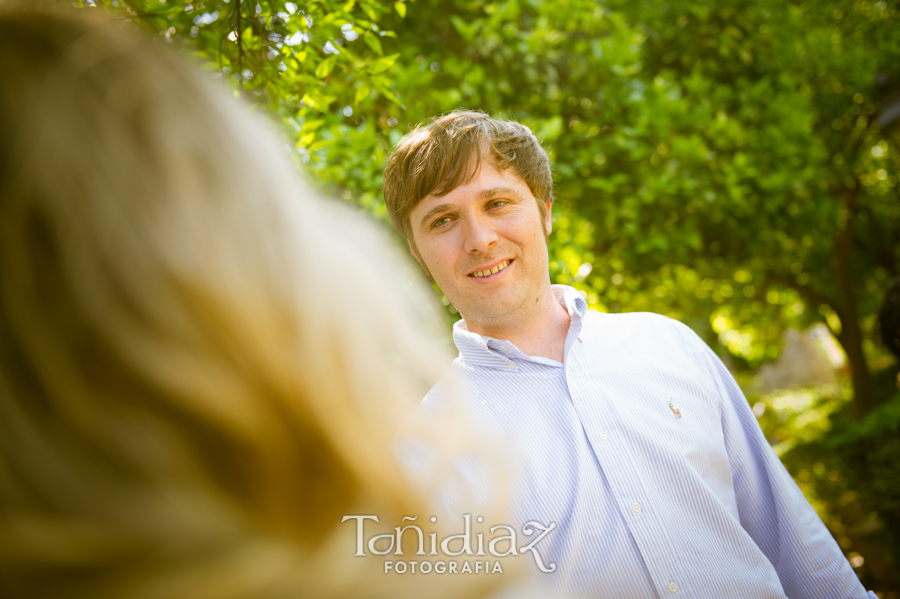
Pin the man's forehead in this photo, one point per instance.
(483, 178)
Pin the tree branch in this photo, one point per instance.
(810, 295)
(240, 44)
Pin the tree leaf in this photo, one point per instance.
(362, 92)
(383, 64)
(373, 42)
(325, 68)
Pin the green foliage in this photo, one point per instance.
(315, 67)
(848, 469)
(870, 451)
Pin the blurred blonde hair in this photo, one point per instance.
(201, 365)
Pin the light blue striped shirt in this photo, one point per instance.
(642, 449)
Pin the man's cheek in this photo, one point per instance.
(437, 266)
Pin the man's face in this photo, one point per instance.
(484, 244)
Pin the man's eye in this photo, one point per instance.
(440, 222)
(496, 203)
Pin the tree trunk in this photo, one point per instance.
(863, 390)
(851, 333)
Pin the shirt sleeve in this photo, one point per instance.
(772, 508)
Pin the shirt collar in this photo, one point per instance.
(480, 350)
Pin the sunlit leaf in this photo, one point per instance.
(373, 42)
(361, 93)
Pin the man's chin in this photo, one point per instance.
(488, 316)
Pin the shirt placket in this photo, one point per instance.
(606, 435)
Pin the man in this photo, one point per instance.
(636, 441)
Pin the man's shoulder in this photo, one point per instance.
(645, 335)
(628, 324)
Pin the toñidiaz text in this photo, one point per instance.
(502, 542)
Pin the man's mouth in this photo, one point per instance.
(489, 272)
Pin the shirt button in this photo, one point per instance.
(603, 435)
(673, 587)
(503, 348)
(511, 366)
(636, 507)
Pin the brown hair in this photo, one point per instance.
(437, 158)
(191, 398)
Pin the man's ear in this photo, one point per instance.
(412, 250)
(548, 220)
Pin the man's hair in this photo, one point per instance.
(436, 158)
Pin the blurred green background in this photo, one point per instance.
(733, 165)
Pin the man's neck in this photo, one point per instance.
(539, 332)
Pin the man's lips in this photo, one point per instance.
(491, 269)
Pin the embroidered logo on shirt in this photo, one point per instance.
(674, 411)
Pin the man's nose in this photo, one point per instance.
(479, 235)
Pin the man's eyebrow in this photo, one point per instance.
(485, 194)
(495, 191)
(432, 212)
